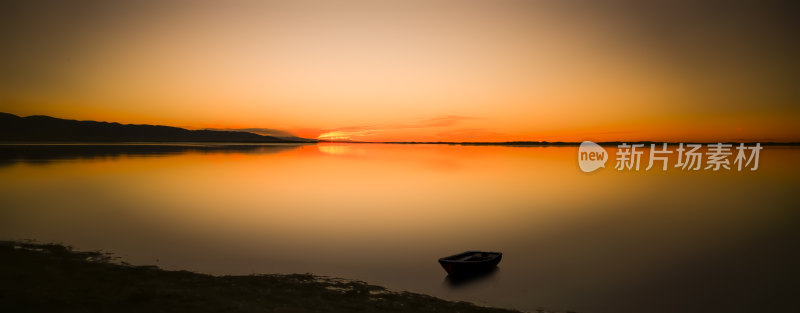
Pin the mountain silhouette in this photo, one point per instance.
(45, 128)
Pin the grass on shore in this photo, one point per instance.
(54, 278)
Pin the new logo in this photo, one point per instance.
(591, 156)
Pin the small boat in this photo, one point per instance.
(470, 262)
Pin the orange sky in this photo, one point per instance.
(410, 70)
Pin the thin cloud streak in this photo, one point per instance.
(356, 132)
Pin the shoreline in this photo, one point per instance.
(51, 277)
(112, 143)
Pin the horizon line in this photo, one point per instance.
(317, 140)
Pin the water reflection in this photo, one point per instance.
(45, 153)
(606, 241)
(456, 281)
(342, 150)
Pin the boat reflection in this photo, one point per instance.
(455, 281)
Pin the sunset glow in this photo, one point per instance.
(492, 156)
(408, 70)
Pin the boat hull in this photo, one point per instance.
(456, 265)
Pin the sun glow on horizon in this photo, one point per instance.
(339, 135)
(408, 70)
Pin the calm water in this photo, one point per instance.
(607, 241)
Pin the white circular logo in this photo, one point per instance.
(591, 156)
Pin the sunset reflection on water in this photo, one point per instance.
(606, 241)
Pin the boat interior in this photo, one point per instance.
(472, 256)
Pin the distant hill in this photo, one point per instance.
(45, 128)
(266, 132)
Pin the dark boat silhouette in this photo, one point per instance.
(470, 262)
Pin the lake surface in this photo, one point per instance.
(607, 241)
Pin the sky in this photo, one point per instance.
(411, 70)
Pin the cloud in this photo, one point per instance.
(355, 132)
(470, 134)
(442, 121)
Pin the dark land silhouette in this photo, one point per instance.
(49, 129)
(54, 278)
